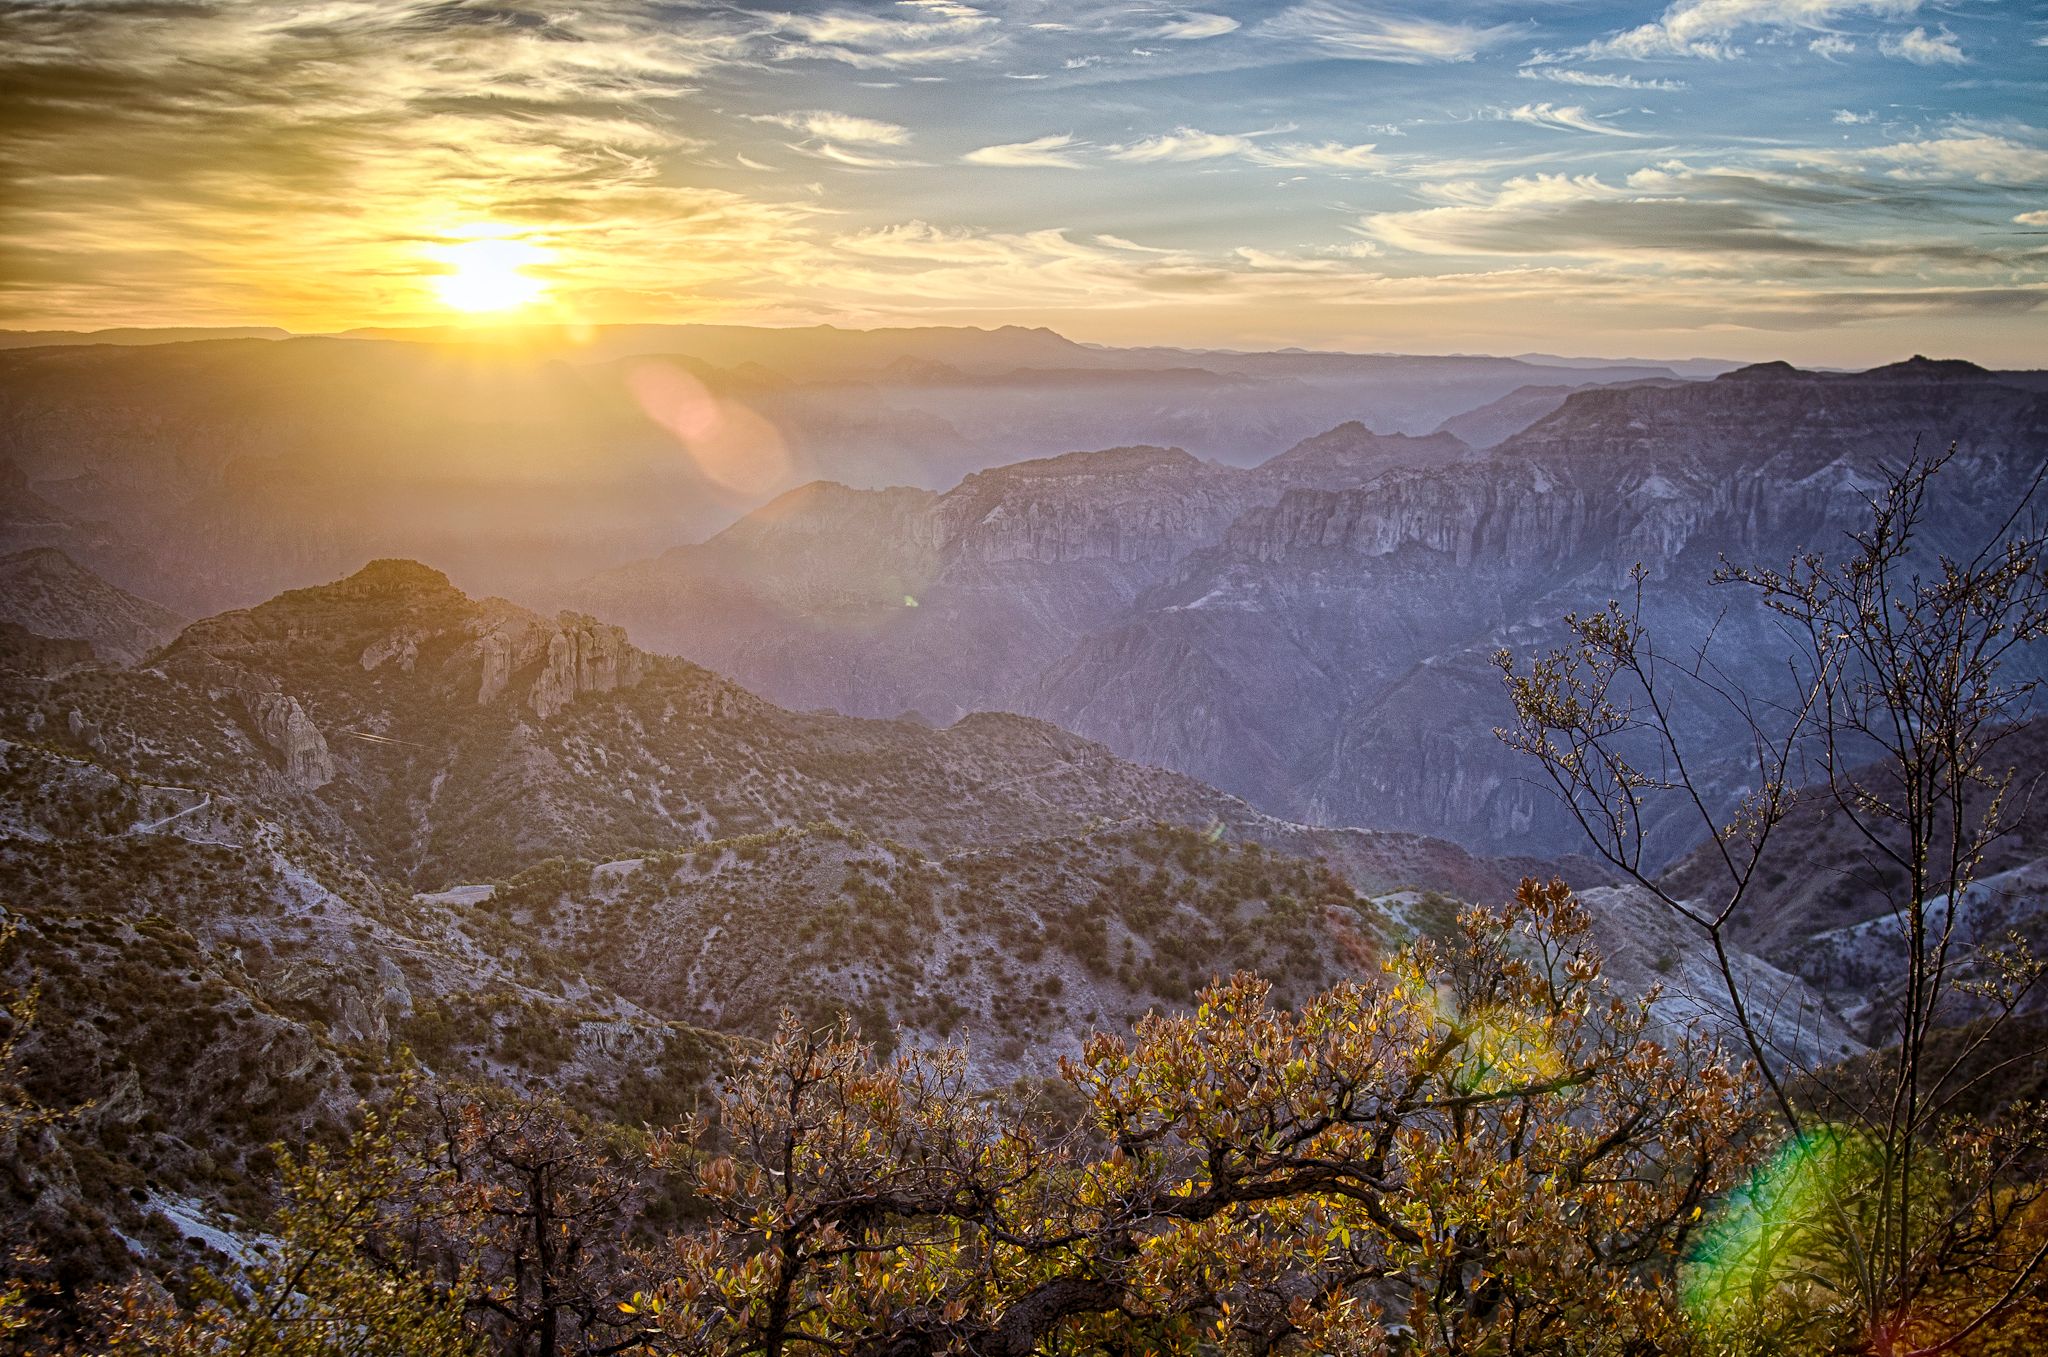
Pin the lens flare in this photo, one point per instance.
(1764, 1234)
(733, 447)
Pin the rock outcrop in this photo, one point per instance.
(583, 656)
(281, 723)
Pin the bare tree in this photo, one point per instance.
(1898, 700)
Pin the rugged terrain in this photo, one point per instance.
(379, 821)
(44, 591)
(1317, 633)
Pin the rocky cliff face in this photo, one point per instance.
(1132, 506)
(282, 724)
(1315, 633)
(44, 591)
(213, 474)
(881, 602)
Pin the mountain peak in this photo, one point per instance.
(393, 575)
(1775, 370)
(1353, 444)
(1920, 367)
(42, 558)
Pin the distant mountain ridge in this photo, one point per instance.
(215, 472)
(1316, 633)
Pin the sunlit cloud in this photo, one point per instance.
(853, 159)
(1568, 118)
(1606, 80)
(1040, 153)
(1328, 155)
(927, 35)
(293, 160)
(1187, 144)
(1963, 154)
(1669, 217)
(840, 127)
(1191, 27)
(328, 163)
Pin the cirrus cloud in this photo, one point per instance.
(1040, 153)
(1361, 33)
(1568, 118)
(1193, 27)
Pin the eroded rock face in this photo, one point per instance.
(280, 722)
(575, 654)
(402, 646)
(1147, 506)
(1316, 633)
(583, 656)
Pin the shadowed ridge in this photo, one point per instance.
(1922, 368)
(1776, 370)
(1097, 462)
(1353, 442)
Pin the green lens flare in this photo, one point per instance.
(1764, 1235)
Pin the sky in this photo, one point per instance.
(1828, 181)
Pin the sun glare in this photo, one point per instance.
(489, 275)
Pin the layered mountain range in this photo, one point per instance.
(1317, 633)
(213, 473)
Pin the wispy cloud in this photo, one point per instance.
(303, 161)
(1963, 155)
(1328, 155)
(1189, 144)
(1041, 153)
(222, 160)
(1567, 118)
(1922, 48)
(851, 158)
(928, 34)
(1669, 217)
(840, 127)
(1192, 27)
(1604, 80)
(1363, 33)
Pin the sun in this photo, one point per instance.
(489, 275)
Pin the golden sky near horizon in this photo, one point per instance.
(1835, 181)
